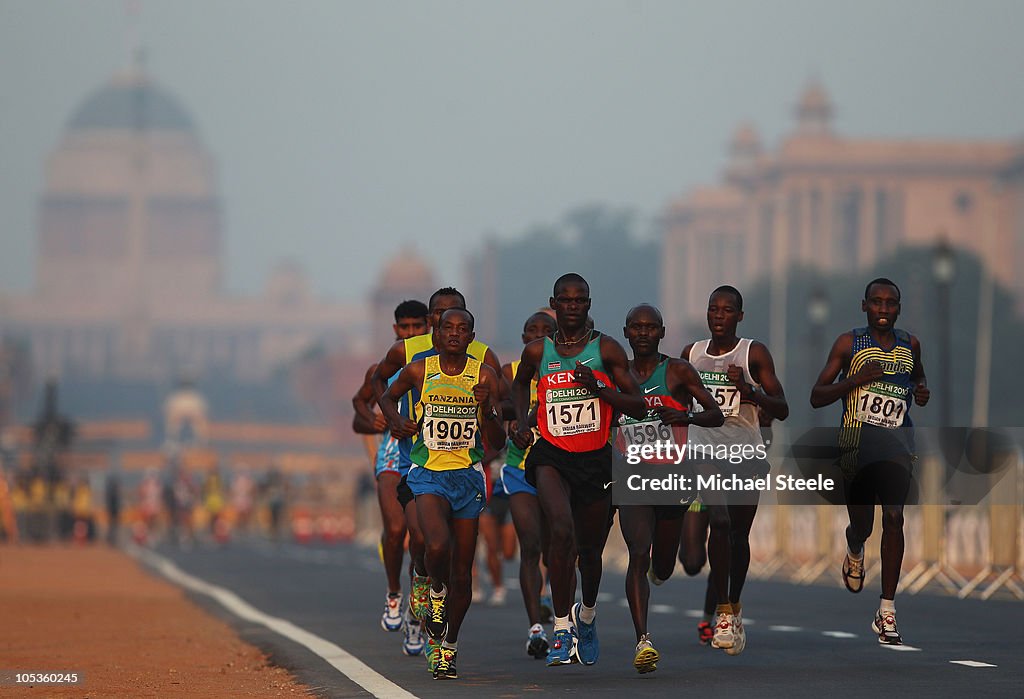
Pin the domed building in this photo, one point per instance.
(405, 276)
(130, 257)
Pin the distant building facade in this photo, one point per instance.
(406, 276)
(130, 258)
(836, 203)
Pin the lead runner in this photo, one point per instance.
(570, 465)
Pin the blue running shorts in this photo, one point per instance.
(463, 488)
(513, 479)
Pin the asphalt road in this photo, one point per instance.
(801, 640)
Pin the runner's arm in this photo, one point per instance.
(366, 420)
(772, 400)
(411, 377)
(523, 435)
(386, 368)
(629, 398)
(488, 417)
(826, 391)
(686, 383)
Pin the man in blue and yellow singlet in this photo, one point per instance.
(526, 512)
(455, 406)
(652, 532)
(879, 370)
(578, 370)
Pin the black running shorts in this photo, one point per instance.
(587, 473)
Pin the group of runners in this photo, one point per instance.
(573, 405)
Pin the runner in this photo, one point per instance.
(410, 321)
(570, 464)
(401, 353)
(740, 374)
(454, 405)
(652, 532)
(879, 369)
(526, 512)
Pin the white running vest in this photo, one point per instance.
(741, 423)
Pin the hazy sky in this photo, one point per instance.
(343, 129)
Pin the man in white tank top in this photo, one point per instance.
(740, 374)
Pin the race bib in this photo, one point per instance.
(882, 404)
(723, 391)
(572, 411)
(448, 427)
(648, 431)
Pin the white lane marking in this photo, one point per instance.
(663, 609)
(694, 613)
(903, 648)
(623, 602)
(785, 629)
(605, 597)
(972, 663)
(338, 657)
(839, 634)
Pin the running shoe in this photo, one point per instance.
(537, 643)
(433, 647)
(498, 597)
(412, 644)
(885, 626)
(646, 658)
(587, 647)
(547, 610)
(437, 622)
(853, 573)
(563, 648)
(391, 619)
(739, 635)
(724, 637)
(655, 580)
(705, 632)
(445, 668)
(419, 598)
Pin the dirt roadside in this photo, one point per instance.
(95, 611)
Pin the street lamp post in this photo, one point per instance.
(817, 314)
(944, 269)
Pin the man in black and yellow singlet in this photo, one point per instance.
(578, 371)
(410, 321)
(454, 407)
(526, 512)
(879, 371)
(652, 532)
(740, 374)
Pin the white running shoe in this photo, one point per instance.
(725, 636)
(739, 635)
(413, 642)
(498, 596)
(391, 619)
